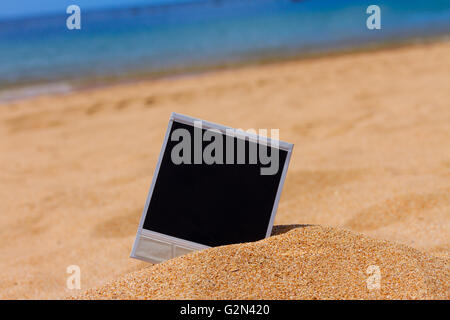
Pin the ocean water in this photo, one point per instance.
(40, 54)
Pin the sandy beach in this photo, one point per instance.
(370, 172)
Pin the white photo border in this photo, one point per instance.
(141, 232)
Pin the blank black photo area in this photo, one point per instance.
(213, 204)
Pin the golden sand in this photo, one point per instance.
(310, 262)
(372, 155)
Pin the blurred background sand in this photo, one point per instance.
(372, 155)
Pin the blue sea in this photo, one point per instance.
(39, 54)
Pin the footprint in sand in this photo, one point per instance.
(30, 122)
(396, 209)
(118, 226)
(93, 109)
(313, 181)
(122, 104)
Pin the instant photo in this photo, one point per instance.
(210, 189)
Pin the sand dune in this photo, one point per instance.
(309, 262)
(372, 155)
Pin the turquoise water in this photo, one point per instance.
(161, 40)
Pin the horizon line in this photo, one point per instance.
(55, 13)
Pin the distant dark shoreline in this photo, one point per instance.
(89, 83)
(264, 59)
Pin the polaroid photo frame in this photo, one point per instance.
(197, 204)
